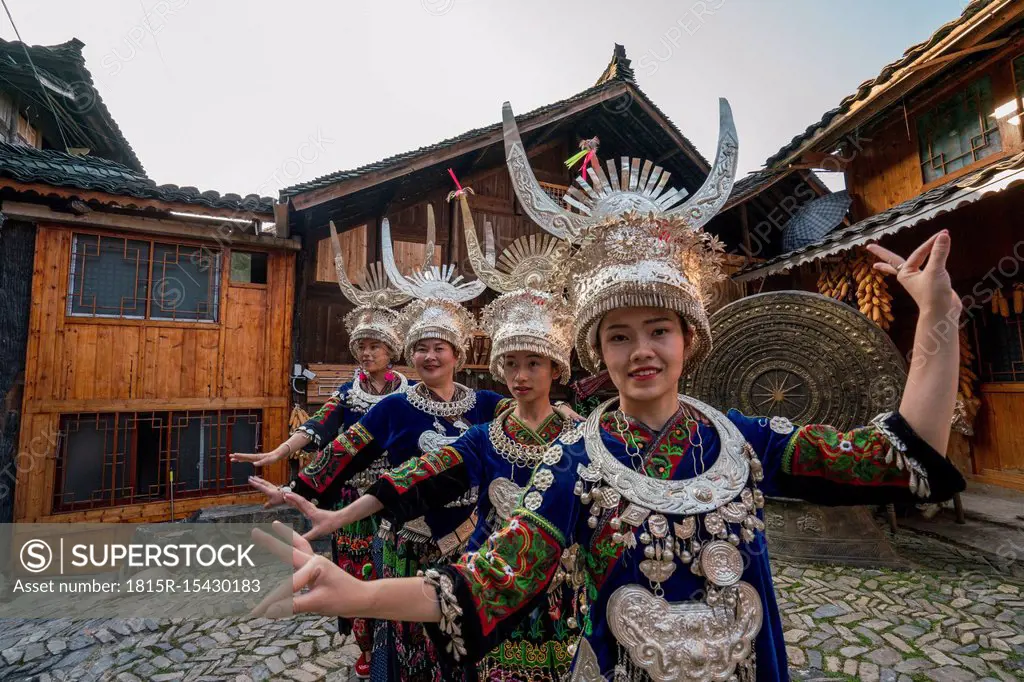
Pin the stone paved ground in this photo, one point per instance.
(957, 616)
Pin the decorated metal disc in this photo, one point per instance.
(802, 356)
(722, 563)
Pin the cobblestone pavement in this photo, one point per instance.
(957, 616)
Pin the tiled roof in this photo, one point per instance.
(85, 118)
(47, 166)
(618, 71)
(886, 74)
(875, 226)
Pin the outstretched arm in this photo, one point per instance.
(930, 393)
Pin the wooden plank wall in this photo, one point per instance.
(886, 169)
(100, 365)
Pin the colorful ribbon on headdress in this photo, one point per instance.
(587, 152)
(460, 190)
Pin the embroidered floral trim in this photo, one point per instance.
(451, 612)
(336, 456)
(417, 469)
(511, 569)
(857, 457)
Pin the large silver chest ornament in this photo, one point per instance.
(698, 523)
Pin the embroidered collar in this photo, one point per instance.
(362, 398)
(545, 434)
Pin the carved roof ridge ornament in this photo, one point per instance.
(527, 263)
(374, 290)
(638, 186)
(430, 281)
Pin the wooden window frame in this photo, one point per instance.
(220, 281)
(111, 496)
(985, 133)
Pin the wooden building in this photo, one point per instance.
(614, 109)
(933, 142)
(149, 326)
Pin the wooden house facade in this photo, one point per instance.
(150, 326)
(400, 188)
(935, 142)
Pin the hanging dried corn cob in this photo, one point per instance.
(1018, 298)
(1000, 306)
(834, 280)
(967, 402)
(297, 419)
(873, 297)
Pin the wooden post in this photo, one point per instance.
(744, 222)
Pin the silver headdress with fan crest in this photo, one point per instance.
(430, 281)
(529, 262)
(638, 246)
(374, 297)
(637, 186)
(436, 313)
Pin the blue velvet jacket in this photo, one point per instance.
(393, 426)
(486, 592)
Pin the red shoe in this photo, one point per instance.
(362, 667)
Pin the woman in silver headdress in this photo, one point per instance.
(436, 331)
(374, 342)
(532, 341)
(663, 493)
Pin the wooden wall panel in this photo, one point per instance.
(998, 447)
(244, 343)
(90, 364)
(353, 245)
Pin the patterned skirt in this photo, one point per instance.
(403, 651)
(350, 548)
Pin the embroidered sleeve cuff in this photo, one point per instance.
(932, 477)
(316, 439)
(447, 634)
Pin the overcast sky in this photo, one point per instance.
(230, 94)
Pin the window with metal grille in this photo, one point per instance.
(1000, 344)
(960, 131)
(109, 459)
(139, 279)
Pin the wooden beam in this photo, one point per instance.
(488, 204)
(159, 404)
(125, 201)
(281, 228)
(936, 61)
(158, 226)
(343, 188)
(745, 225)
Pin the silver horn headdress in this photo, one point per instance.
(430, 281)
(636, 244)
(529, 262)
(374, 297)
(637, 186)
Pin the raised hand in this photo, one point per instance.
(332, 591)
(930, 285)
(324, 522)
(259, 459)
(275, 496)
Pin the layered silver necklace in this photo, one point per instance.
(707, 639)
(421, 398)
